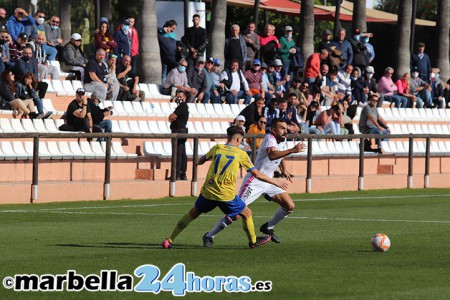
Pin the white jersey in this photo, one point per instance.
(251, 187)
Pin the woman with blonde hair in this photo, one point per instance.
(8, 90)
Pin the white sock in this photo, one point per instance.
(279, 215)
(220, 225)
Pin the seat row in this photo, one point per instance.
(415, 114)
(57, 150)
(419, 129)
(419, 147)
(163, 149)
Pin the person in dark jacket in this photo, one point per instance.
(342, 44)
(8, 91)
(123, 40)
(421, 61)
(195, 39)
(167, 47)
(178, 124)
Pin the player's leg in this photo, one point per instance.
(287, 206)
(249, 228)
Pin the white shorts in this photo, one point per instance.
(253, 188)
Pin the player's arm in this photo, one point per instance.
(274, 154)
(284, 170)
(263, 177)
(202, 160)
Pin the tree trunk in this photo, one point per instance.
(442, 28)
(149, 63)
(306, 29)
(403, 55)
(359, 15)
(256, 12)
(105, 9)
(216, 45)
(64, 13)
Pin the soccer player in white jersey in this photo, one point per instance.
(270, 156)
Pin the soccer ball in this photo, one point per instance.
(381, 242)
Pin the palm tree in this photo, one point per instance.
(442, 27)
(64, 9)
(150, 62)
(306, 29)
(217, 33)
(403, 55)
(105, 9)
(359, 15)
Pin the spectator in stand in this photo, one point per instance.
(27, 89)
(53, 33)
(312, 67)
(388, 88)
(235, 48)
(211, 87)
(342, 44)
(421, 60)
(16, 48)
(420, 88)
(323, 84)
(403, 88)
(134, 43)
(239, 121)
(281, 79)
(103, 39)
(344, 81)
(287, 49)
(78, 114)
(370, 49)
(111, 78)
(197, 79)
(329, 121)
(51, 52)
(3, 21)
(44, 68)
(8, 91)
(269, 44)
(128, 81)
(253, 112)
(167, 47)
(95, 80)
(370, 122)
(289, 115)
(359, 87)
(73, 59)
(259, 127)
(447, 93)
(17, 21)
(234, 82)
(295, 87)
(326, 41)
(31, 31)
(372, 84)
(311, 115)
(123, 40)
(268, 87)
(195, 39)
(28, 64)
(254, 79)
(271, 112)
(252, 43)
(305, 95)
(177, 80)
(361, 55)
(437, 89)
(100, 124)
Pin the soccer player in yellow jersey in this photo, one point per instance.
(219, 188)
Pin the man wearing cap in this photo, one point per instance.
(235, 48)
(123, 39)
(342, 44)
(17, 21)
(210, 82)
(95, 80)
(16, 47)
(178, 124)
(53, 33)
(73, 59)
(372, 84)
(254, 79)
(421, 61)
(78, 114)
(234, 81)
(240, 121)
(287, 48)
(98, 115)
(361, 55)
(197, 79)
(325, 43)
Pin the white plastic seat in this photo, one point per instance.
(204, 146)
(97, 149)
(48, 106)
(193, 112)
(385, 149)
(158, 146)
(162, 125)
(218, 109)
(316, 149)
(51, 125)
(153, 126)
(28, 126)
(434, 148)
(134, 126)
(77, 85)
(440, 129)
(147, 108)
(87, 150)
(202, 110)
(166, 109)
(143, 126)
(408, 113)
(149, 150)
(144, 87)
(189, 149)
(211, 111)
(64, 149)
(224, 126)
(74, 147)
(50, 88)
(17, 126)
(227, 110)
(8, 151)
(404, 128)
(154, 91)
(39, 125)
(20, 151)
(167, 145)
(123, 124)
(137, 106)
(52, 147)
(412, 128)
(128, 107)
(118, 107)
(156, 108)
(191, 127)
(58, 87)
(419, 147)
(43, 151)
(67, 85)
(235, 109)
(199, 128)
(207, 127)
(216, 128)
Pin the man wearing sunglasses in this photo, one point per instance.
(259, 127)
(53, 33)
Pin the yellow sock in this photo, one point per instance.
(249, 229)
(181, 225)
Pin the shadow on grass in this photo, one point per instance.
(143, 246)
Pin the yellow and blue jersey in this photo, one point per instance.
(220, 183)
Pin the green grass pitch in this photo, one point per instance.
(325, 251)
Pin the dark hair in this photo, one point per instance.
(292, 95)
(40, 12)
(196, 16)
(33, 79)
(275, 121)
(335, 108)
(233, 130)
(6, 77)
(170, 23)
(181, 91)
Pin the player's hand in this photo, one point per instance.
(300, 147)
(282, 184)
(288, 176)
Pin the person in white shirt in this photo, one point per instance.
(270, 156)
(235, 82)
